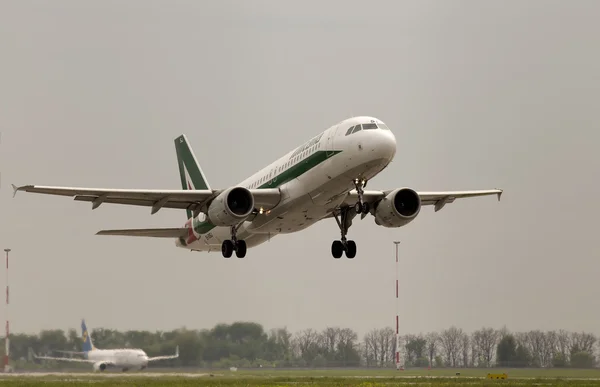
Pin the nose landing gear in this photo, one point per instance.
(361, 207)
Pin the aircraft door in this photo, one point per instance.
(330, 136)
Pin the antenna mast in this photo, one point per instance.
(399, 366)
(7, 338)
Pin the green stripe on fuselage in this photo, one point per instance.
(283, 177)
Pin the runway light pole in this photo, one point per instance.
(7, 339)
(398, 365)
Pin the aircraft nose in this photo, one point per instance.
(385, 144)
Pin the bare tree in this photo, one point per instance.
(465, 349)
(387, 343)
(307, 342)
(330, 338)
(563, 344)
(536, 344)
(451, 341)
(433, 339)
(475, 356)
(371, 348)
(551, 346)
(486, 340)
(346, 344)
(583, 342)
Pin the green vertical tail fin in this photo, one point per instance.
(192, 177)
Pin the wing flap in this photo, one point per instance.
(139, 202)
(147, 232)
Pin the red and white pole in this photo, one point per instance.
(7, 339)
(398, 365)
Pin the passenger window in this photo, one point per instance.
(356, 129)
(349, 130)
(369, 126)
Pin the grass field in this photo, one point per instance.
(313, 378)
(441, 372)
(284, 382)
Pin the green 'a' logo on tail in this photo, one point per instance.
(192, 177)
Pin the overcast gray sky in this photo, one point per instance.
(479, 95)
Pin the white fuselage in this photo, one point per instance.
(309, 197)
(120, 358)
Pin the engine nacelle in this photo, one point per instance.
(99, 366)
(231, 207)
(398, 208)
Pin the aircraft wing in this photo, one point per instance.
(65, 359)
(69, 352)
(437, 199)
(147, 232)
(166, 357)
(267, 198)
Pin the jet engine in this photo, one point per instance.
(231, 207)
(99, 366)
(398, 208)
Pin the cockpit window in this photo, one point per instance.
(369, 126)
(383, 126)
(349, 130)
(356, 128)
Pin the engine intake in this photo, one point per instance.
(231, 207)
(398, 208)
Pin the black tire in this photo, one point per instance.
(240, 251)
(365, 208)
(227, 248)
(337, 249)
(350, 249)
(358, 208)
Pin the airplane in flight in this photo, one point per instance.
(323, 178)
(102, 359)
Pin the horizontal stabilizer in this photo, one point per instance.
(147, 232)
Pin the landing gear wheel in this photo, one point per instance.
(361, 208)
(358, 208)
(337, 249)
(227, 248)
(240, 248)
(344, 221)
(234, 244)
(365, 208)
(350, 249)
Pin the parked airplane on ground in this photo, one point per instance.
(323, 178)
(103, 358)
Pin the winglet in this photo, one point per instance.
(177, 351)
(15, 189)
(499, 193)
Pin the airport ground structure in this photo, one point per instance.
(247, 345)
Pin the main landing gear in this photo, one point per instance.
(234, 244)
(344, 246)
(344, 221)
(361, 207)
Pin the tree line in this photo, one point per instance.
(248, 344)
